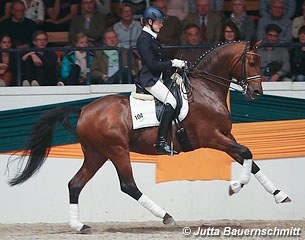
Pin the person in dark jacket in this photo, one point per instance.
(154, 68)
(39, 67)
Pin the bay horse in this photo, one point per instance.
(104, 129)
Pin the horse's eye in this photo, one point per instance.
(252, 64)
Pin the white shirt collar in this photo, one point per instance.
(148, 30)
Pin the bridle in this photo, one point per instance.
(244, 81)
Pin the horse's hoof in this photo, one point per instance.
(85, 230)
(168, 220)
(234, 187)
(281, 197)
(286, 200)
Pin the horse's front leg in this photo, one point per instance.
(244, 156)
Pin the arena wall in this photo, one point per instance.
(44, 198)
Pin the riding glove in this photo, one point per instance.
(178, 63)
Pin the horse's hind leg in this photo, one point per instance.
(90, 166)
(128, 186)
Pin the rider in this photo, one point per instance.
(151, 74)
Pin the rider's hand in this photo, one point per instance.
(178, 63)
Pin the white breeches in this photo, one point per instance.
(161, 92)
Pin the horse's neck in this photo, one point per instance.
(208, 89)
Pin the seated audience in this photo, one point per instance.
(298, 22)
(244, 23)
(177, 8)
(59, 14)
(127, 29)
(230, 32)
(138, 7)
(191, 35)
(210, 23)
(39, 67)
(170, 33)
(74, 65)
(277, 17)
(34, 10)
(5, 9)
(19, 27)
(105, 66)
(298, 58)
(275, 64)
(289, 6)
(89, 21)
(7, 62)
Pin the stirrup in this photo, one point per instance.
(163, 148)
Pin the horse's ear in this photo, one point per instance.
(256, 45)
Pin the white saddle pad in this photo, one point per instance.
(143, 112)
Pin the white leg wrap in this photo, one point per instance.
(280, 197)
(246, 171)
(235, 186)
(267, 184)
(151, 206)
(75, 224)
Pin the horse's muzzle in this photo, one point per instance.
(254, 92)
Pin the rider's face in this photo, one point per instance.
(157, 25)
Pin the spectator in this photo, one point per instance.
(277, 17)
(89, 22)
(74, 64)
(298, 22)
(275, 64)
(210, 23)
(138, 7)
(127, 29)
(170, 33)
(245, 23)
(105, 66)
(216, 6)
(19, 27)
(191, 34)
(230, 32)
(34, 10)
(178, 8)
(59, 14)
(5, 9)
(289, 6)
(7, 62)
(298, 58)
(39, 67)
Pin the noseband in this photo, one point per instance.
(244, 82)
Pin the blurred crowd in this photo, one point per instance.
(109, 29)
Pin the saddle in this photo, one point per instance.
(173, 84)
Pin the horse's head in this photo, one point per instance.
(246, 70)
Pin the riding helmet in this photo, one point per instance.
(153, 13)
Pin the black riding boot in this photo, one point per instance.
(162, 145)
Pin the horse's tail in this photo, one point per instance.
(40, 141)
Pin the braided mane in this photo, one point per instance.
(215, 49)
